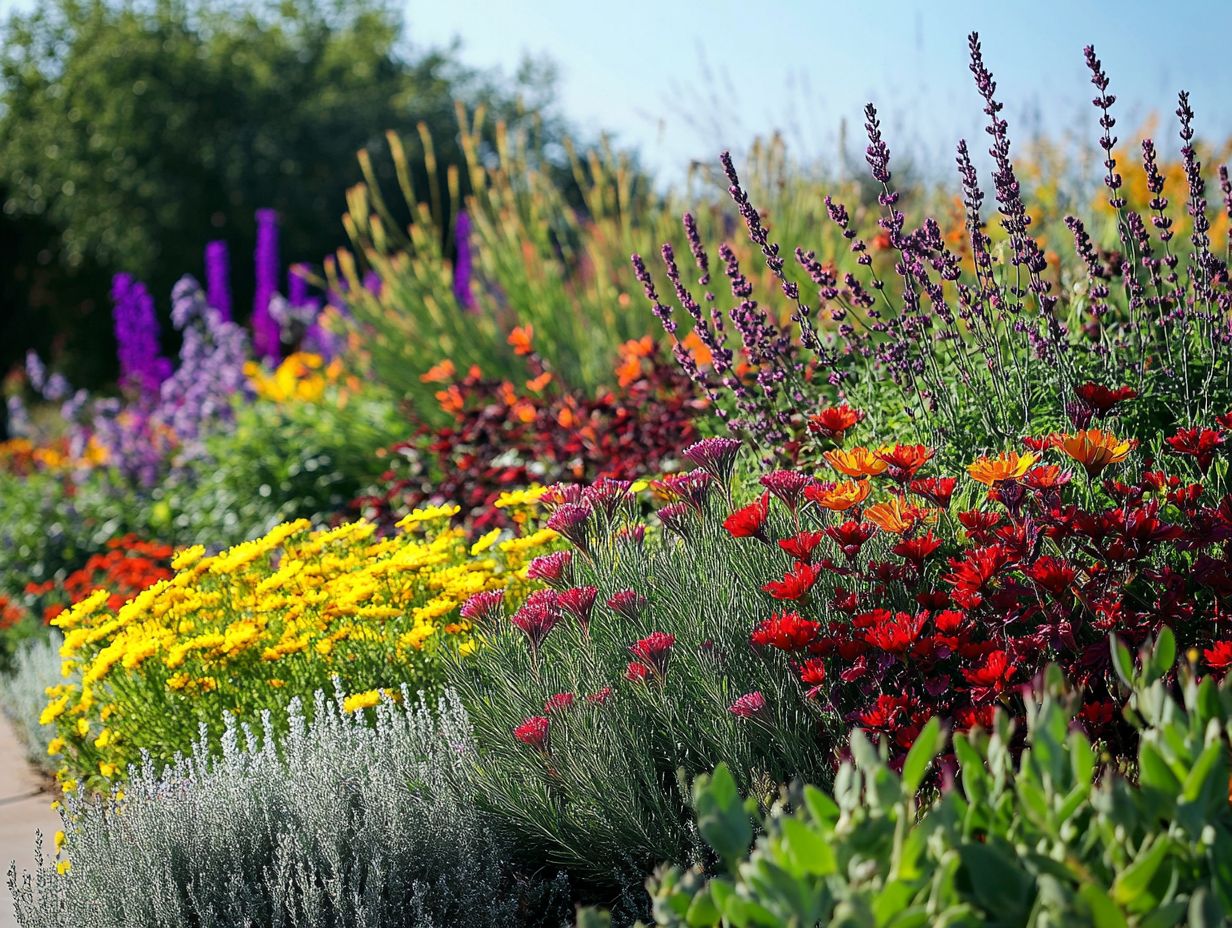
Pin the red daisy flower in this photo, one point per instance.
(750, 521)
(796, 583)
(787, 631)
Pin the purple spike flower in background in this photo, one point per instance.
(297, 285)
(136, 331)
(462, 263)
(218, 278)
(265, 332)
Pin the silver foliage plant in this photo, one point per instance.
(344, 822)
(36, 666)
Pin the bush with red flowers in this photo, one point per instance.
(504, 438)
(878, 593)
(128, 565)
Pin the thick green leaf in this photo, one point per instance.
(721, 816)
(927, 743)
(1104, 912)
(807, 848)
(1163, 655)
(998, 884)
(1130, 885)
(1122, 662)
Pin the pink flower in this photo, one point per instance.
(537, 617)
(554, 569)
(578, 601)
(559, 702)
(716, 456)
(750, 706)
(607, 494)
(654, 651)
(636, 672)
(572, 520)
(534, 732)
(600, 697)
(787, 485)
(627, 604)
(484, 608)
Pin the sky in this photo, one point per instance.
(682, 80)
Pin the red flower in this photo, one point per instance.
(834, 421)
(802, 544)
(813, 672)
(904, 460)
(1224, 421)
(559, 702)
(655, 650)
(787, 631)
(1101, 399)
(937, 490)
(572, 520)
(971, 575)
(483, 608)
(1052, 574)
(1219, 656)
(1046, 477)
(916, 550)
(894, 633)
(750, 521)
(555, 569)
(1199, 443)
(600, 697)
(750, 706)
(850, 536)
(534, 732)
(990, 679)
(638, 673)
(886, 713)
(796, 583)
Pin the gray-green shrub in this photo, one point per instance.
(343, 823)
(36, 666)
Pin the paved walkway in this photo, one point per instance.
(25, 808)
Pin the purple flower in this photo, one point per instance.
(136, 330)
(218, 278)
(266, 337)
(462, 262)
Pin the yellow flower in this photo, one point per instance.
(63, 867)
(485, 541)
(106, 769)
(428, 514)
(103, 739)
(59, 841)
(1008, 466)
(359, 701)
(55, 746)
(467, 648)
(514, 499)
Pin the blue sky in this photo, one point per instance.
(640, 67)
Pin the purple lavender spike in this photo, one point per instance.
(218, 278)
(266, 337)
(462, 263)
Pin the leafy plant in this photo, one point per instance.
(1017, 836)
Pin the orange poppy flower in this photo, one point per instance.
(834, 421)
(1094, 449)
(629, 370)
(538, 383)
(896, 516)
(439, 373)
(904, 460)
(856, 462)
(696, 347)
(841, 496)
(522, 338)
(1008, 466)
(450, 399)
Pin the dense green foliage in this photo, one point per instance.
(132, 133)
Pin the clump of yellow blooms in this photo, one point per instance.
(251, 627)
(301, 376)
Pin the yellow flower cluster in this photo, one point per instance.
(301, 376)
(249, 628)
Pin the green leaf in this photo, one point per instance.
(1154, 771)
(1130, 886)
(1104, 912)
(593, 918)
(721, 817)
(1162, 656)
(997, 882)
(702, 912)
(822, 808)
(807, 849)
(927, 743)
(1209, 770)
(1122, 662)
(1205, 911)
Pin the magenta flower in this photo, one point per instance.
(484, 608)
(654, 651)
(751, 706)
(579, 602)
(572, 520)
(716, 456)
(554, 569)
(628, 604)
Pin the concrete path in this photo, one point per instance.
(25, 807)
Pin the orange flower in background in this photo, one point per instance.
(1008, 466)
(524, 411)
(522, 339)
(450, 399)
(439, 372)
(538, 383)
(696, 347)
(841, 496)
(897, 516)
(628, 370)
(856, 462)
(834, 421)
(631, 354)
(1094, 449)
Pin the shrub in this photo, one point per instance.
(1041, 835)
(982, 342)
(248, 629)
(343, 821)
(500, 438)
(23, 694)
(596, 700)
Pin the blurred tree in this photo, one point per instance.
(131, 133)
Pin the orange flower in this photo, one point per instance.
(522, 338)
(896, 516)
(1008, 466)
(841, 496)
(538, 383)
(450, 399)
(856, 462)
(1094, 449)
(566, 418)
(701, 354)
(834, 421)
(439, 373)
(525, 411)
(904, 460)
(629, 370)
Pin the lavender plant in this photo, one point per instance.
(36, 666)
(984, 338)
(349, 821)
